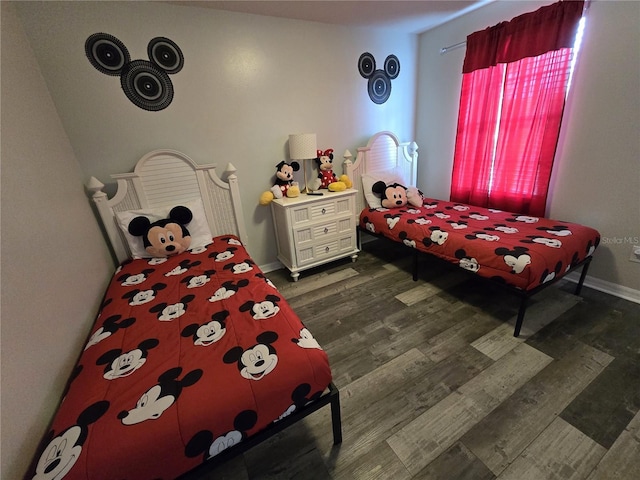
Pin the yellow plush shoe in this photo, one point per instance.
(266, 198)
(337, 187)
(293, 191)
(346, 180)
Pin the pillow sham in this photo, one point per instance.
(198, 227)
(387, 176)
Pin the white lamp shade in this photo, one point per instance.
(302, 146)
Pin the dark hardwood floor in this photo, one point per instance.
(433, 385)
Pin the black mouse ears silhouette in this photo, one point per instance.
(379, 85)
(145, 82)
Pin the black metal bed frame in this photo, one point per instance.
(524, 295)
(332, 397)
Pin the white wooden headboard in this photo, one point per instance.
(165, 178)
(382, 152)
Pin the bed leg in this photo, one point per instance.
(336, 420)
(521, 311)
(583, 275)
(415, 266)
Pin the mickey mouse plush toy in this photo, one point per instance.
(284, 185)
(165, 237)
(395, 195)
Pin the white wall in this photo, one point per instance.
(247, 83)
(54, 263)
(596, 179)
(597, 174)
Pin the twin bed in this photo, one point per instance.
(521, 253)
(196, 357)
(192, 358)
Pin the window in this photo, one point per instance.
(514, 85)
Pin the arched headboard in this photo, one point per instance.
(383, 152)
(165, 178)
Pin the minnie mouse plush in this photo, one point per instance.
(325, 165)
(326, 178)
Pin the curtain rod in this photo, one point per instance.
(444, 50)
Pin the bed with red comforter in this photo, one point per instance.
(192, 357)
(518, 250)
(522, 253)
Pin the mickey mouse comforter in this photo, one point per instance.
(521, 251)
(188, 356)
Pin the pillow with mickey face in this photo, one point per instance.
(369, 179)
(198, 227)
(392, 195)
(395, 195)
(164, 237)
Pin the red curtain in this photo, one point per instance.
(514, 81)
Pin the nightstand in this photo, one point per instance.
(312, 230)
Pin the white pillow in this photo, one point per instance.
(198, 227)
(136, 246)
(387, 176)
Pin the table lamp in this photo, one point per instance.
(303, 147)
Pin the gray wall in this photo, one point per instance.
(248, 82)
(55, 265)
(596, 178)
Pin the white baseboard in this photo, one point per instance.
(270, 267)
(607, 287)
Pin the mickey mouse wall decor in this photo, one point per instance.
(145, 83)
(379, 85)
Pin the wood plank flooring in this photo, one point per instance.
(433, 385)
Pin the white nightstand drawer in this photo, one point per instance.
(301, 214)
(318, 252)
(310, 213)
(345, 205)
(313, 230)
(323, 210)
(319, 232)
(317, 212)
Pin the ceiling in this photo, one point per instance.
(413, 16)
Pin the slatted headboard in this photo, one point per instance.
(383, 152)
(165, 178)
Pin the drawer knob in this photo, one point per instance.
(324, 210)
(326, 249)
(326, 230)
